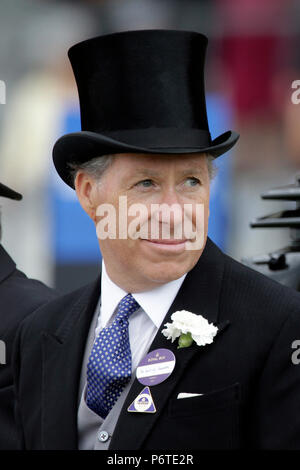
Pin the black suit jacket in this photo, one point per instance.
(19, 296)
(250, 387)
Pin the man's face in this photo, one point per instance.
(142, 263)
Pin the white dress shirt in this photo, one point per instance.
(93, 431)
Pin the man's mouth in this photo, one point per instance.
(166, 241)
(165, 245)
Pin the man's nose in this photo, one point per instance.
(170, 209)
(169, 196)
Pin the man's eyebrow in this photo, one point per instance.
(193, 171)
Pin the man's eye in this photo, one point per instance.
(145, 183)
(191, 181)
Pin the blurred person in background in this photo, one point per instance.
(41, 105)
(257, 41)
(19, 296)
(292, 95)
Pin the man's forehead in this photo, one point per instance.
(148, 163)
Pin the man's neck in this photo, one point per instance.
(131, 285)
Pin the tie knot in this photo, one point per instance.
(127, 307)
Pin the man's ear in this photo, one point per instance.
(85, 188)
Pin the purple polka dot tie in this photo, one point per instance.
(109, 364)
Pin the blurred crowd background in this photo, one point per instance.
(253, 57)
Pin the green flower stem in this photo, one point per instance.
(185, 340)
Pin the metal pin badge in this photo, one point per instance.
(153, 369)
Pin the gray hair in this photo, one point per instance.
(98, 165)
(212, 168)
(94, 167)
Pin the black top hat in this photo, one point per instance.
(143, 92)
(7, 192)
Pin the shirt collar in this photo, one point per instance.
(155, 302)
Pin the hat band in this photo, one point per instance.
(168, 137)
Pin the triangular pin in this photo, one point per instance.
(143, 403)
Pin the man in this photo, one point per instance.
(145, 143)
(19, 296)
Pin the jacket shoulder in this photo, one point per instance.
(258, 294)
(20, 296)
(51, 315)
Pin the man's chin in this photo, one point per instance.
(165, 273)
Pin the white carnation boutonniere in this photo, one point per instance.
(189, 327)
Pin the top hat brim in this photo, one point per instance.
(79, 147)
(5, 191)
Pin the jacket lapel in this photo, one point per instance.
(199, 293)
(62, 359)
